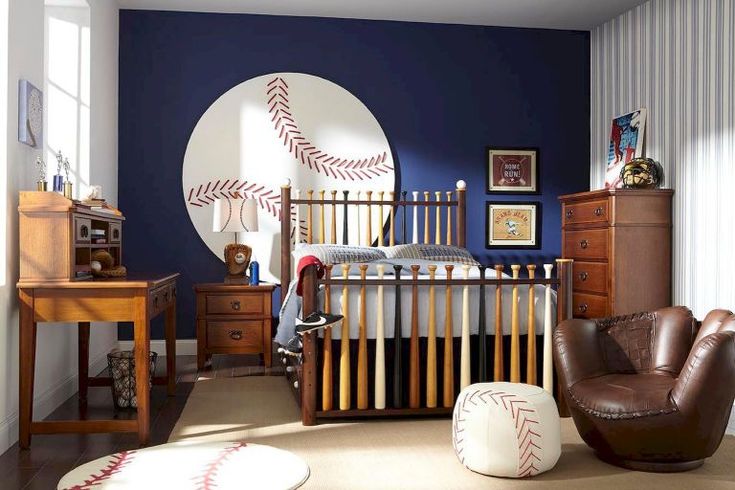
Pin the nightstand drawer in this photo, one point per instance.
(243, 334)
(235, 304)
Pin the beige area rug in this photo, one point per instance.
(400, 454)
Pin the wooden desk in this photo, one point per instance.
(136, 299)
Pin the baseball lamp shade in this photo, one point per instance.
(235, 215)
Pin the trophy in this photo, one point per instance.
(41, 184)
(58, 178)
(67, 182)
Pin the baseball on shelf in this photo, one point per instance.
(275, 130)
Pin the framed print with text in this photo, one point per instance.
(512, 170)
(513, 225)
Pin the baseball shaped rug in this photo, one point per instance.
(192, 466)
(274, 128)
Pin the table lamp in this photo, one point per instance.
(236, 215)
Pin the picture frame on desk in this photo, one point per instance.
(512, 170)
(513, 225)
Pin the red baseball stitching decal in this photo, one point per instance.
(206, 480)
(285, 124)
(524, 417)
(116, 463)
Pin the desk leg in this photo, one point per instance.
(142, 336)
(83, 359)
(171, 348)
(27, 346)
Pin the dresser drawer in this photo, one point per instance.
(115, 233)
(239, 334)
(590, 276)
(586, 212)
(586, 244)
(234, 304)
(589, 305)
(82, 230)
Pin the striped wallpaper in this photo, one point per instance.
(677, 59)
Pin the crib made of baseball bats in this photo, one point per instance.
(406, 397)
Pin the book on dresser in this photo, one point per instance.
(59, 235)
(620, 240)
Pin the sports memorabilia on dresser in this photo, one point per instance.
(641, 173)
(512, 170)
(513, 225)
(41, 184)
(626, 143)
(236, 215)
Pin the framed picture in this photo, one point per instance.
(30, 114)
(626, 143)
(513, 225)
(512, 170)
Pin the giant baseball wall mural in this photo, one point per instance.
(276, 127)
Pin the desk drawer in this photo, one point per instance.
(235, 304)
(590, 276)
(586, 212)
(240, 334)
(586, 244)
(589, 305)
(161, 298)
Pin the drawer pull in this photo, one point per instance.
(584, 244)
(236, 334)
(155, 302)
(570, 213)
(583, 308)
(583, 276)
(235, 305)
(599, 211)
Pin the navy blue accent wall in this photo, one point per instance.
(442, 93)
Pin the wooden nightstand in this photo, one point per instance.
(233, 319)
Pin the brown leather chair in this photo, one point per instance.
(649, 391)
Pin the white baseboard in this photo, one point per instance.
(47, 402)
(184, 347)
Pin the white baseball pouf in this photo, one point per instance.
(506, 429)
(184, 466)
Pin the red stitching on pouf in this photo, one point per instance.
(524, 418)
(207, 481)
(117, 462)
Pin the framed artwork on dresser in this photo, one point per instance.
(512, 170)
(513, 225)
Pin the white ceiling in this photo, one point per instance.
(552, 14)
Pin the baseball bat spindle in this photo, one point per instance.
(369, 226)
(414, 385)
(481, 333)
(438, 223)
(515, 331)
(397, 377)
(426, 218)
(404, 236)
(548, 370)
(344, 351)
(333, 227)
(327, 395)
(498, 362)
(431, 344)
(309, 227)
(362, 368)
(359, 226)
(392, 216)
(381, 240)
(415, 238)
(448, 388)
(380, 345)
(297, 234)
(322, 224)
(531, 347)
(464, 358)
(449, 219)
(345, 219)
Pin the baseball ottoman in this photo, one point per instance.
(506, 429)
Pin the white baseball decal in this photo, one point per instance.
(274, 127)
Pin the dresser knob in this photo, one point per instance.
(583, 308)
(584, 244)
(583, 276)
(570, 213)
(598, 211)
(236, 334)
(235, 305)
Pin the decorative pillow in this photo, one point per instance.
(339, 254)
(443, 253)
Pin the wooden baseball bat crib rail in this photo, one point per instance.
(415, 365)
(304, 220)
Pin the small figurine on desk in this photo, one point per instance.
(58, 178)
(67, 183)
(237, 258)
(41, 184)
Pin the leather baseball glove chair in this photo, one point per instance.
(649, 391)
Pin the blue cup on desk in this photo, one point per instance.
(254, 273)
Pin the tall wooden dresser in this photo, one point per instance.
(620, 240)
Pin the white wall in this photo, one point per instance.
(56, 353)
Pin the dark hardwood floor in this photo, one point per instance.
(52, 456)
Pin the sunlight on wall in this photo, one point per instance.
(67, 87)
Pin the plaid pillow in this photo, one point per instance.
(339, 254)
(443, 253)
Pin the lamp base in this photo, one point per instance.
(236, 279)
